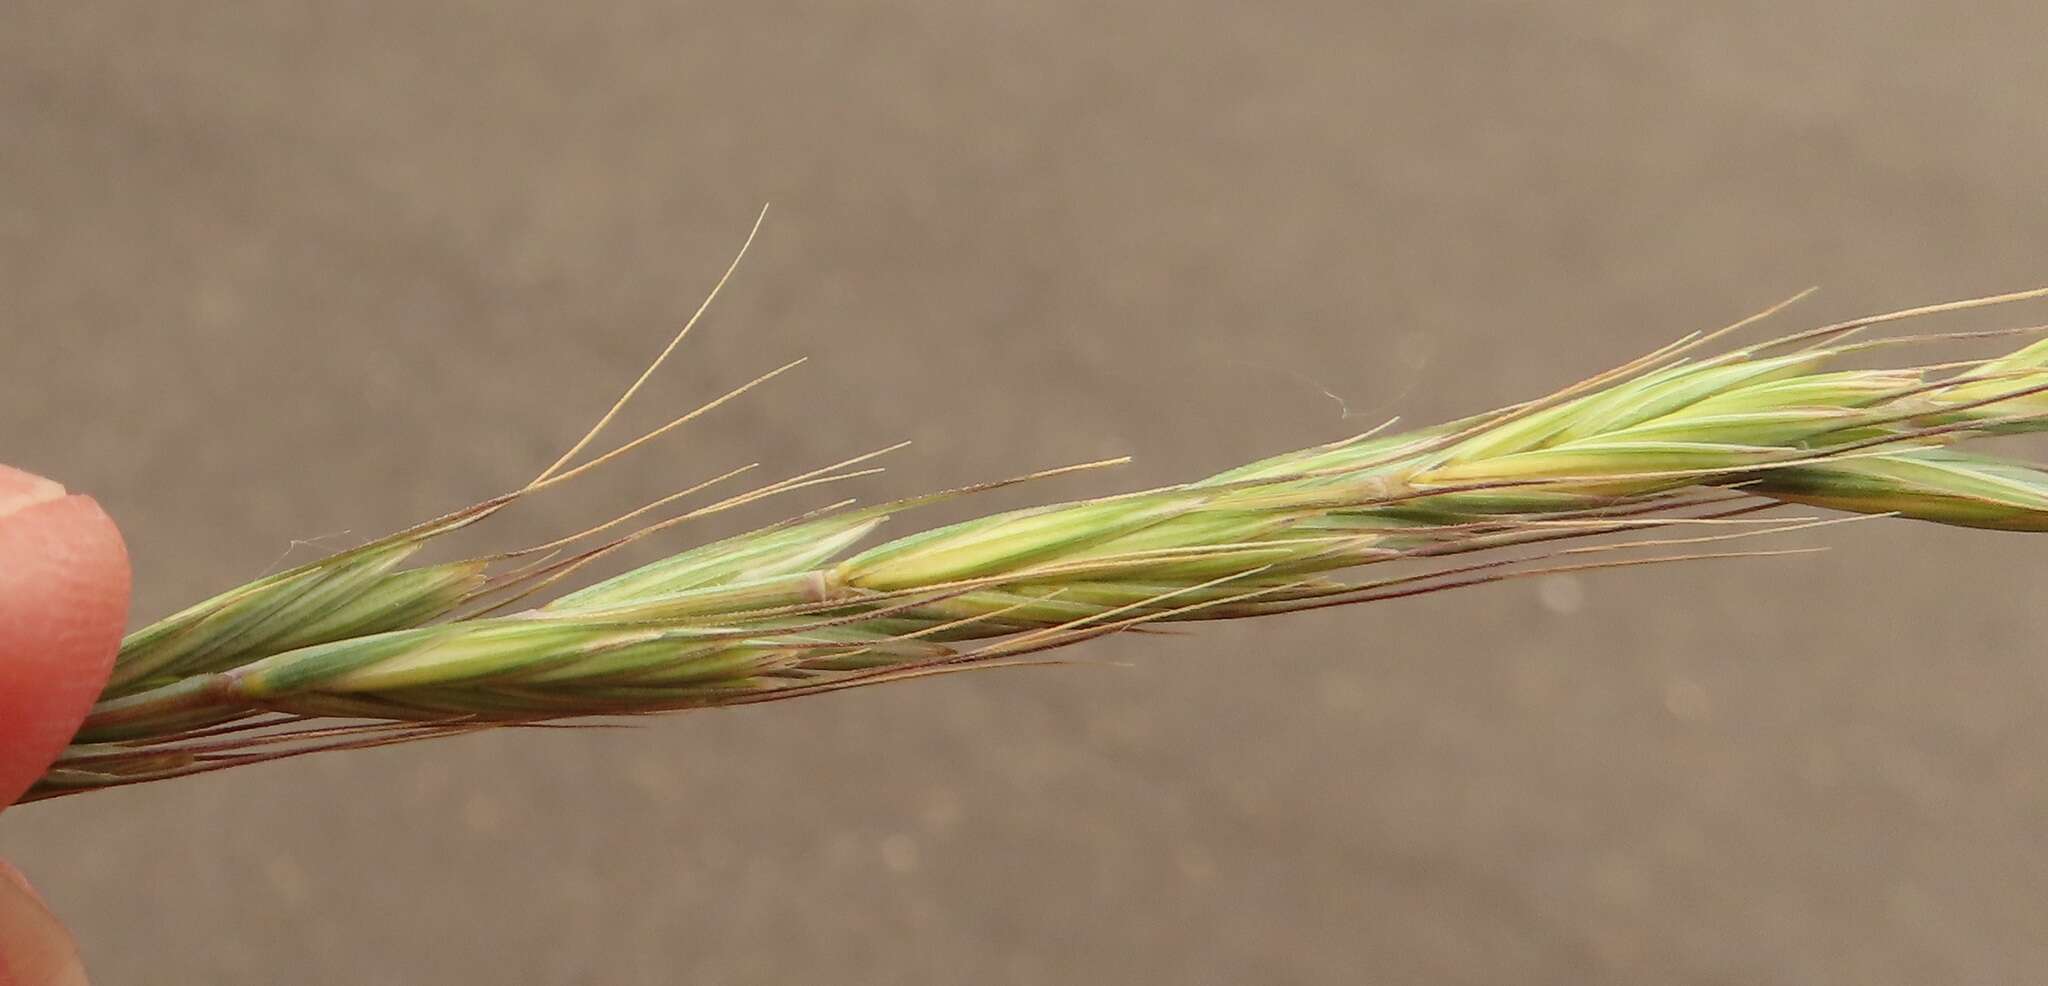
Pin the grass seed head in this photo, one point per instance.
(1668, 442)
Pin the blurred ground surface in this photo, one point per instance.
(277, 271)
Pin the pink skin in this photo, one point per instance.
(63, 604)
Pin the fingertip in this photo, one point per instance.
(64, 583)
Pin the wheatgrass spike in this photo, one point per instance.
(1669, 451)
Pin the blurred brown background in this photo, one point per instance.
(276, 271)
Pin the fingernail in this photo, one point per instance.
(20, 880)
(20, 490)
